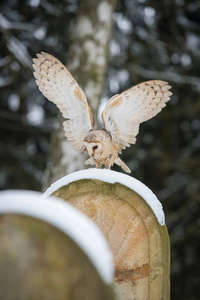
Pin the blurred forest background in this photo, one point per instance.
(150, 40)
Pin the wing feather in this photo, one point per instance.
(124, 113)
(58, 85)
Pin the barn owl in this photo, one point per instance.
(121, 116)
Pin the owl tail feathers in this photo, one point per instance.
(120, 163)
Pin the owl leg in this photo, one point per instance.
(111, 160)
(120, 163)
(98, 165)
(108, 165)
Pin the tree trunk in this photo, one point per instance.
(87, 61)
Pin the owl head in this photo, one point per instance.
(95, 141)
(94, 149)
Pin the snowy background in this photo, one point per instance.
(151, 40)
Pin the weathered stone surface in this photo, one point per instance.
(139, 243)
(38, 261)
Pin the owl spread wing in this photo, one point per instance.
(124, 113)
(57, 85)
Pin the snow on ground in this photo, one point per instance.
(68, 219)
(113, 177)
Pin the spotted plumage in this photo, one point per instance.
(121, 116)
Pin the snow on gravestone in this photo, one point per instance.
(49, 250)
(133, 222)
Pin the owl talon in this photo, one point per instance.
(90, 161)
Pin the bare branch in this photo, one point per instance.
(5, 61)
(5, 81)
(165, 75)
(5, 24)
(20, 52)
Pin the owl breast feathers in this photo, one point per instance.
(121, 116)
